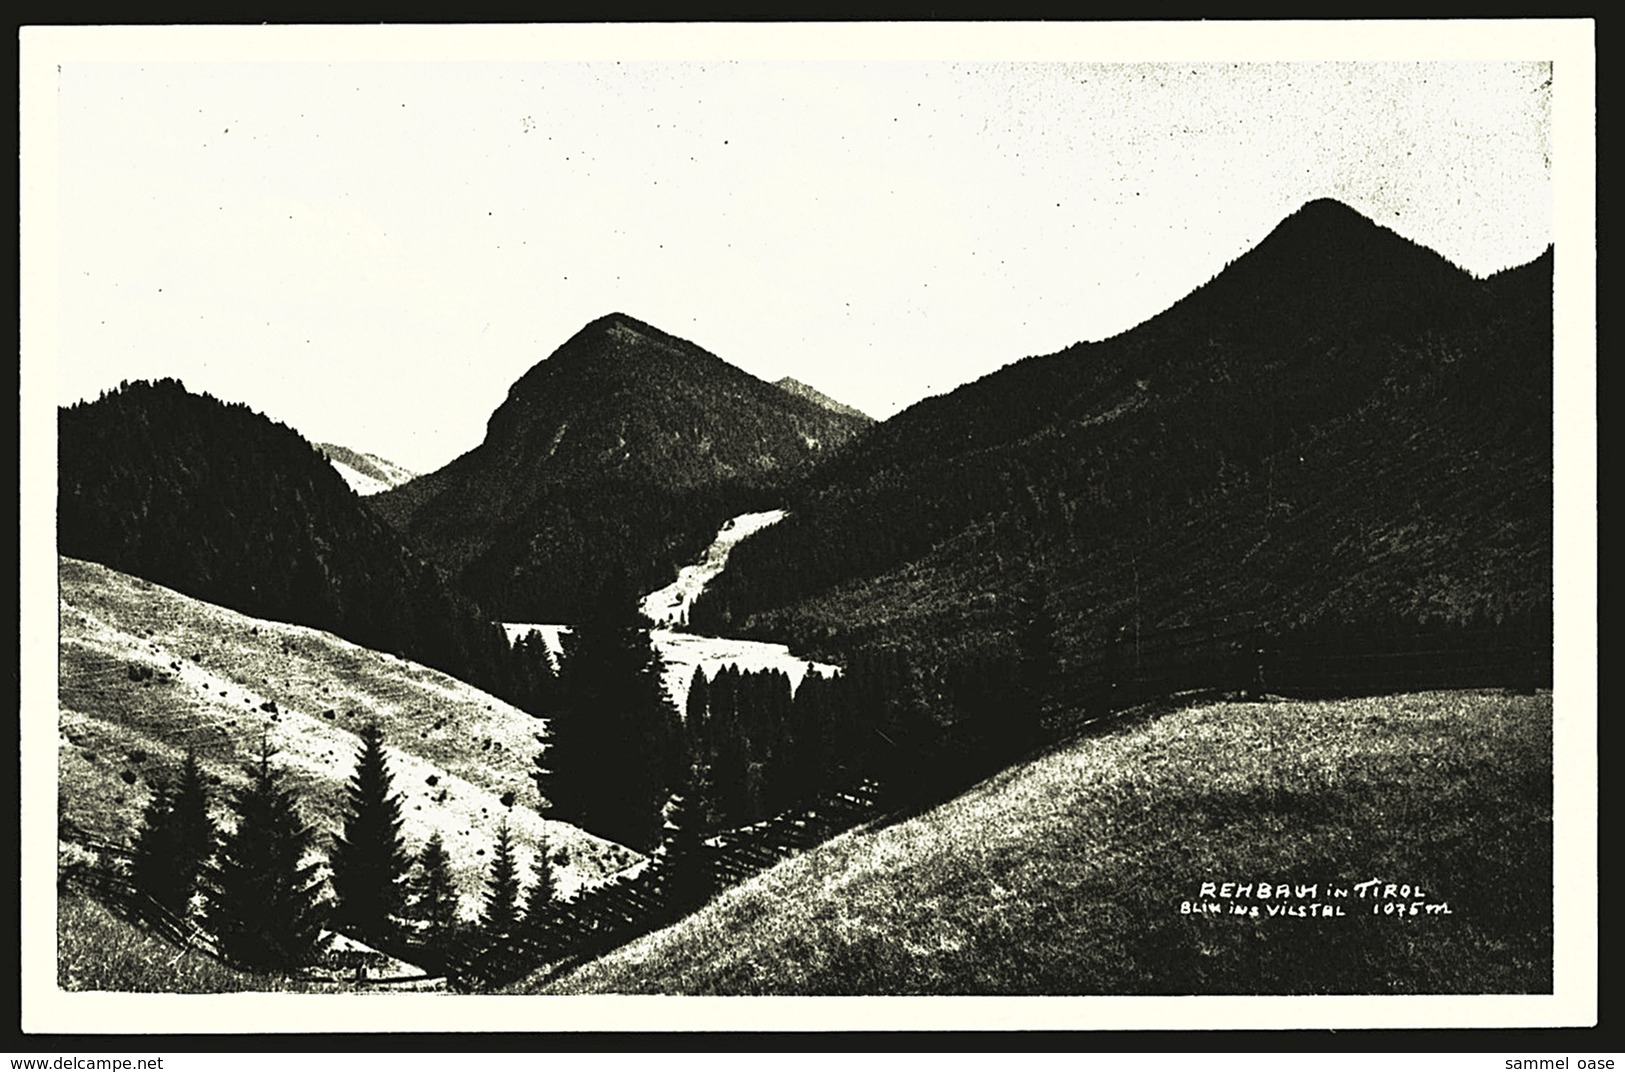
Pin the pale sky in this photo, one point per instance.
(372, 252)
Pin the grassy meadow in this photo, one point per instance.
(1066, 874)
(97, 950)
(146, 673)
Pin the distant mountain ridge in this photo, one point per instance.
(1340, 426)
(813, 394)
(368, 474)
(614, 457)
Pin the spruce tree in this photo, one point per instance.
(175, 841)
(688, 863)
(531, 679)
(263, 893)
(539, 901)
(370, 862)
(152, 861)
(810, 749)
(730, 762)
(696, 706)
(701, 808)
(502, 889)
(434, 895)
(775, 752)
(607, 758)
(194, 831)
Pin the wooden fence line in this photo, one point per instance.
(1139, 667)
(608, 916)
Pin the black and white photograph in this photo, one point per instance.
(1048, 513)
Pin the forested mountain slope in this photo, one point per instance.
(1341, 427)
(220, 503)
(615, 457)
(813, 394)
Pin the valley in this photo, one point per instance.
(1259, 587)
(683, 652)
(670, 605)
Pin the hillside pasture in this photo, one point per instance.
(98, 950)
(1081, 871)
(146, 673)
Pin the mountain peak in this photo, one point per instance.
(1327, 222)
(620, 334)
(610, 321)
(621, 437)
(1329, 208)
(1329, 249)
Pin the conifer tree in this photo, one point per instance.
(690, 879)
(370, 862)
(696, 708)
(699, 752)
(194, 831)
(607, 759)
(263, 892)
(433, 895)
(433, 902)
(774, 752)
(175, 841)
(730, 762)
(502, 889)
(543, 892)
(151, 865)
(810, 740)
(533, 680)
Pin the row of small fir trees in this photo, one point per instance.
(256, 885)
